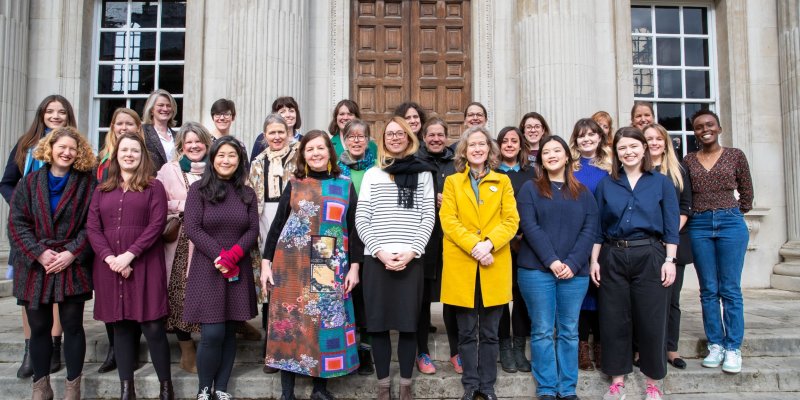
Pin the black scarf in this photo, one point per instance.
(405, 172)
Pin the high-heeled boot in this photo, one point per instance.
(165, 392)
(110, 363)
(126, 390)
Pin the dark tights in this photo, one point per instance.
(126, 339)
(424, 321)
(589, 322)
(182, 335)
(41, 343)
(287, 384)
(451, 326)
(215, 354)
(382, 353)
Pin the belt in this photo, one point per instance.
(631, 243)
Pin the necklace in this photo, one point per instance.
(558, 185)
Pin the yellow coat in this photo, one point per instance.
(465, 223)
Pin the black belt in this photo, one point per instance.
(631, 243)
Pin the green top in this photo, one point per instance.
(338, 147)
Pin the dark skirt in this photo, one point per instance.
(78, 298)
(393, 299)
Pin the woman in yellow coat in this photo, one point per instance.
(479, 218)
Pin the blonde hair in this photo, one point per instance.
(384, 159)
(111, 136)
(147, 113)
(492, 159)
(670, 166)
(196, 128)
(84, 160)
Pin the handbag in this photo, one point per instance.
(173, 226)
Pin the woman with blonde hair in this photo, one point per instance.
(479, 219)
(158, 118)
(124, 120)
(394, 219)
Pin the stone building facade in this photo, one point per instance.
(565, 59)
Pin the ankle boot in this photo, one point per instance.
(405, 392)
(385, 389)
(55, 359)
(598, 356)
(249, 332)
(110, 363)
(584, 358)
(72, 389)
(523, 365)
(165, 392)
(507, 356)
(42, 389)
(126, 390)
(365, 362)
(26, 369)
(188, 356)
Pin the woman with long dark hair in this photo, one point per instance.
(53, 263)
(126, 219)
(221, 220)
(414, 114)
(535, 128)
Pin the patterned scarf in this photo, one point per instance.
(276, 170)
(347, 162)
(192, 167)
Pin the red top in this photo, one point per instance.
(713, 189)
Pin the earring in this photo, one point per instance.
(306, 170)
(329, 167)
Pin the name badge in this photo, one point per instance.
(493, 188)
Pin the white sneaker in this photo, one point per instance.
(615, 392)
(733, 361)
(715, 356)
(653, 393)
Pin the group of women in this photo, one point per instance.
(344, 239)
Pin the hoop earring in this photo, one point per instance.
(329, 167)
(306, 170)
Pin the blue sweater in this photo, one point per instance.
(556, 229)
(589, 175)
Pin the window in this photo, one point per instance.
(139, 47)
(673, 66)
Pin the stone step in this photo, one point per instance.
(6, 285)
(761, 378)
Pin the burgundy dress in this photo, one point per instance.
(122, 221)
(210, 298)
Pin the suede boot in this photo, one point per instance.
(385, 389)
(72, 389)
(584, 356)
(42, 389)
(188, 356)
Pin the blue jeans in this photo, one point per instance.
(552, 301)
(719, 242)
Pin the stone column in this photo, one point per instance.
(13, 80)
(557, 55)
(786, 275)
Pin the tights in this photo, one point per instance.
(382, 353)
(287, 384)
(424, 321)
(215, 354)
(589, 322)
(126, 338)
(451, 326)
(41, 343)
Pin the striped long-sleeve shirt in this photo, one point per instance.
(384, 225)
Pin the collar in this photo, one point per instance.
(505, 168)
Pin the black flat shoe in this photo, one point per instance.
(678, 363)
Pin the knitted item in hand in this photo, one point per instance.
(228, 260)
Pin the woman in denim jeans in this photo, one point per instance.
(719, 238)
(558, 219)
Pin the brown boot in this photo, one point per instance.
(42, 389)
(72, 389)
(597, 356)
(385, 389)
(405, 390)
(188, 356)
(584, 356)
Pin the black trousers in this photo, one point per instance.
(631, 297)
(674, 318)
(515, 320)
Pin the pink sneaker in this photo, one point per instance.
(456, 361)
(653, 393)
(425, 365)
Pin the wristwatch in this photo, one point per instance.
(670, 260)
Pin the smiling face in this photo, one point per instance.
(413, 119)
(343, 116)
(316, 154)
(435, 138)
(226, 161)
(706, 130)
(356, 142)
(395, 140)
(477, 150)
(55, 115)
(123, 124)
(554, 158)
(289, 115)
(510, 147)
(223, 121)
(129, 155)
(475, 116)
(162, 110)
(534, 130)
(655, 143)
(605, 125)
(588, 141)
(642, 116)
(193, 148)
(630, 152)
(276, 136)
(65, 150)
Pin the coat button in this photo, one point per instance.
(479, 232)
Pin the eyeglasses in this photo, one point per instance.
(357, 138)
(536, 127)
(223, 115)
(475, 115)
(395, 135)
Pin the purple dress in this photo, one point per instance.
(122, 221)
(210, 298)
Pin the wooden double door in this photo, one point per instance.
(409, 50)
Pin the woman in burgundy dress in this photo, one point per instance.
(126, 218)
(221, 220)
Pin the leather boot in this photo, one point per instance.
(110, 363)
(127, 391)
(365, 366)
(523, 365)
(26, 369)
(507, 356)
(55, 359)
(188, 356)
(405, 392)
(597, 356)
(72, 389)
(42, 389)
(584, 356)
(165, 391)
